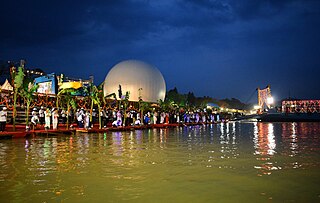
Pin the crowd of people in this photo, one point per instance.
(84, 118)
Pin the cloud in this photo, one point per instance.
(179, 36)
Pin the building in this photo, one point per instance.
(140, 79)
(300, 106)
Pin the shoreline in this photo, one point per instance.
(62, 130)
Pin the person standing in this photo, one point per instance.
(47, 115)
(166, 118)
(34, 111)
(55, 116)
(80, 118)
(87, 120)
(177, 117)
(94, 117)
(64, 116)
(162, 117)
(155, 117)
(204, 120)
(3, 119)
(34, 121)
(119, 117)
(103, 116)
(212, 118)
(41, 115)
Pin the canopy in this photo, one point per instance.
(213, 105)
(6, 86)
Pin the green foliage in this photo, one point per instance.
(233, 103)
(189, 101)
(18, 78)
(174, 96)
(67, 99)
(18, 82)
(27, 91)
(73, 104)
(144, 106)
(126, 100)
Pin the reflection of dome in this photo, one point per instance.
(133, 75)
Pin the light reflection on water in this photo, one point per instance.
(248, 161)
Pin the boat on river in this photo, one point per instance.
(289, 117)
(293, 110)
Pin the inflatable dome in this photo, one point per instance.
(133, 75)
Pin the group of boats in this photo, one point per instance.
(72, 130)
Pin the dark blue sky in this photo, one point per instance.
(221, 49)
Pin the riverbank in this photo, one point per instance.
(62, 129)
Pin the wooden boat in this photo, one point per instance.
(53, 132)
(17, 134)
(289, 117)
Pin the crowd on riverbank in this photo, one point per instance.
(49, 118)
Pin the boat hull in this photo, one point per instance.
(290, 117)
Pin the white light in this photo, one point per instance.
(270, 100)
(257, 107)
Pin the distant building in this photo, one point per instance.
(300, 106)
(137, 77)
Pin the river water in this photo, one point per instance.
(232, 162)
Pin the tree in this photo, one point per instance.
(120, 96)
(18, 82)
(125, 105)
(144, 106)
(67, 99)
(191, 99)
(27, 92)
(97, 98)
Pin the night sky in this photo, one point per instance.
(221, 49)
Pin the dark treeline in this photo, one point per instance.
(189, 99)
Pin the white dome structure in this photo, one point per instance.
(133, 75)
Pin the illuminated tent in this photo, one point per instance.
(138, 78)
(6, 86)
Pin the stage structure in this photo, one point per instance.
(264, 98)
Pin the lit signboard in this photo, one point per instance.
(47, 84)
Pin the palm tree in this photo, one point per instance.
(18, 82)
(27, 92)
(125, 105)
(143, 106)
(96, 96)
(67, 99)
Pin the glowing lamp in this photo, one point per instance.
(270, 100)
